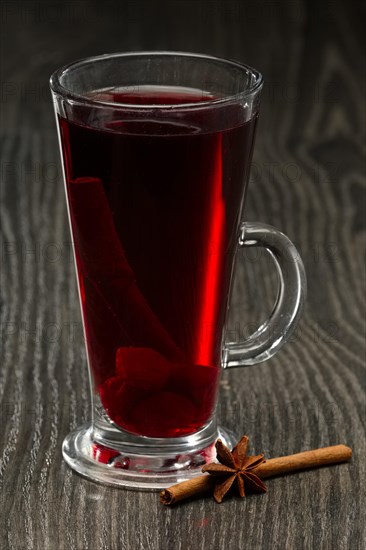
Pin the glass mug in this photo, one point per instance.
(156, 150)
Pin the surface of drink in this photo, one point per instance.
(155, 202)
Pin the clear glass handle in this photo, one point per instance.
(271, 336)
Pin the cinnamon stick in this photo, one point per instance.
(302, 461)
(272, 467)
(196, 486)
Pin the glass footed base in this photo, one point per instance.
(153, 466)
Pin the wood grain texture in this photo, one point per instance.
(307, 179)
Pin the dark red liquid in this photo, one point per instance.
(154, 204)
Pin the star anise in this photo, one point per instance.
(235, 465)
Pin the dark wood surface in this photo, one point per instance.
(307, 179)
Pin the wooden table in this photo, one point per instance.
(307, 179)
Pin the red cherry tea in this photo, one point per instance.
(155, 205)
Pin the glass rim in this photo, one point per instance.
(60, 89)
